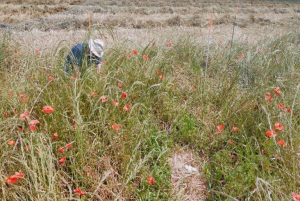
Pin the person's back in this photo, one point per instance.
(91, 52)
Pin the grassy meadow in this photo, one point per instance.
(112, 136)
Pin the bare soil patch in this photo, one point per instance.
(186, 178)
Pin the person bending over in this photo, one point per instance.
(91, 53)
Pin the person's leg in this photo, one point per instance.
(68, 63)
(66, 69)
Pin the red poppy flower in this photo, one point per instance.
(278, 126)
(296, 197)
(62, 160)
(6, 114)
(271, 133)
(22, 95)
(34, 122)
(145, 57)
(151, 180)
(55, 135)
(69, 146)
(94, 94)
(240, 56)
(126, 107)
(50, 78)
(37, 53)
(11, 143)
(281, 142)
(19, 175)
(103, 99)
(115, 103)
(235, 128)
(11, 180)
(281, 105)
(160, 74)
(153, 44)
(269, 97)
(61, 150)
(47, 109)
(78, 191)
(24, 115)
(120, 85)
(32, 127)
(73, 78)
(134, 52)
(124, 94)
(170, 43)
(276, 91)
(220, 127)
(116, 126)
(24, 100)
(288, 110)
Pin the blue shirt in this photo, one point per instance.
(78, 54)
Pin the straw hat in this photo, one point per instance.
(96, 47)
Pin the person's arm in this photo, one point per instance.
(99, 65)
(98, 68)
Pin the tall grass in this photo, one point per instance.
(168, 107)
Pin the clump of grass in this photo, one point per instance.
(148, 106)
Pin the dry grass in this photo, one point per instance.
(186, 178)
(141, 14)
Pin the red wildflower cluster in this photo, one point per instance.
(94, 94)
(116, 126)
(78, 191)
(47, 109)
(151, 180)
(295, 196)
(11, 143)
(277, 91)
(160, 74)
(14, 178)
(55, 135)
(32, 124)
(24, 115)
(220, 127)
(269, 97)
(281, 142)
(271, 133)
(124, 94)
(126, 107)
(103, 99)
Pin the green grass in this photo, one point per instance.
(182, 109)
